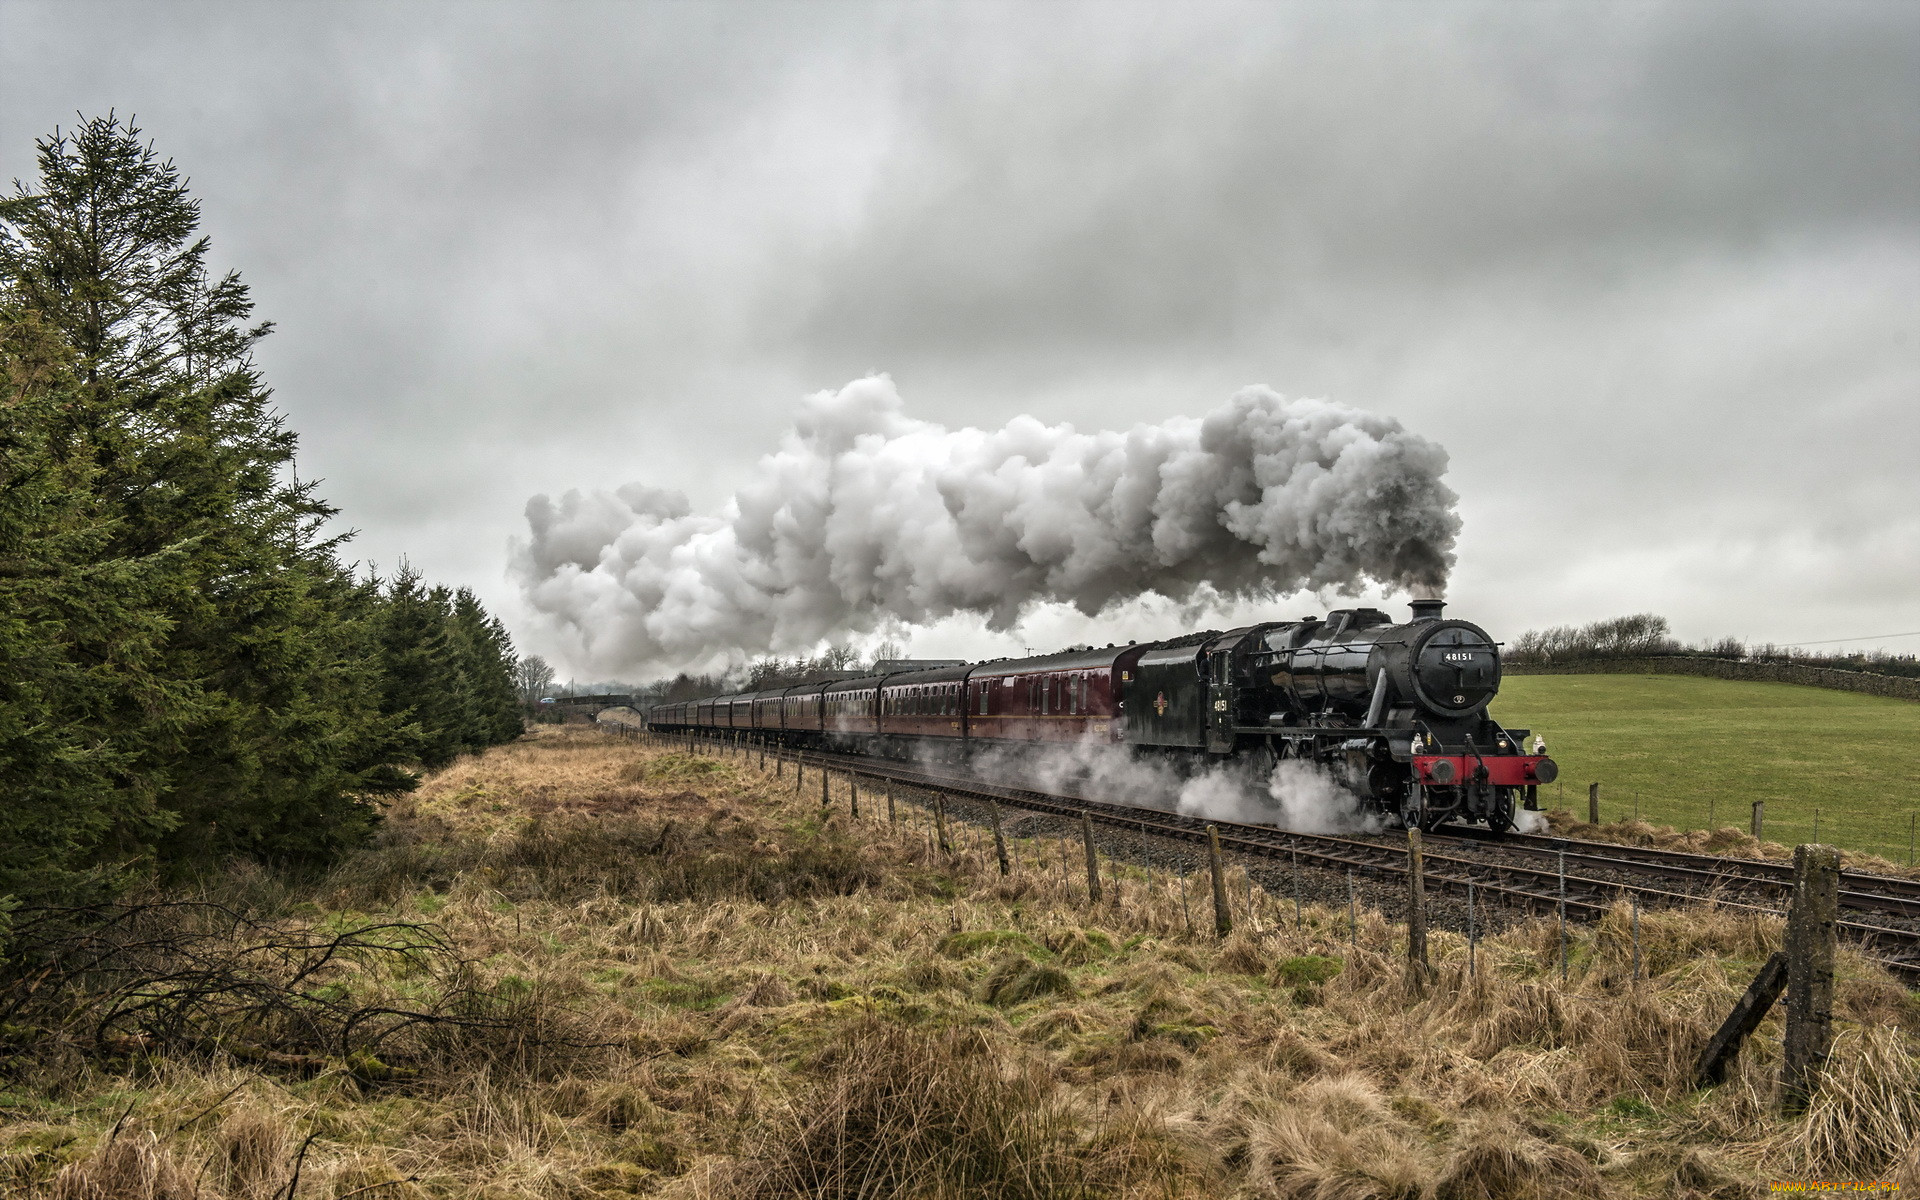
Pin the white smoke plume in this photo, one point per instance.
(1311, 800)
(1529, 822)
(866, 515)
(1297, 795)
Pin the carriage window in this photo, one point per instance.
(984, 693)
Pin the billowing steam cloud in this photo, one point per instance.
(866, 515)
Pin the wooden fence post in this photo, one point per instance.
(826, 783)
(891, 818)
(853, 797)
(1810, 938)
(999, 840)
(1593, 804)
(940, 821)
(1759, 818)
(1746, 1016)
(1093, 860)
(1222, 915)
(1417, 965)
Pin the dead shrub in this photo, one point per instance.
(126, 1166)
(254, 1149)
(405, 857)
(1305, 974)
(1294, 1055)
(1332, 1139)
(901, 1112)
(202, 980)
(1865, 1114)
(1492, 1156)
(1016, 979)
(565, 857)
(1244, 954)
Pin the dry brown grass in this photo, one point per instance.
(788, 1005)
(1728, 840)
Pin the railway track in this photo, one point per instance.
(1588, 878)
(1884, 894)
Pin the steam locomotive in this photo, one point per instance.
(1396, 711)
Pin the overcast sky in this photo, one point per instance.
(1649, 272)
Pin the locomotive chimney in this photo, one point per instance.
(1427, 608)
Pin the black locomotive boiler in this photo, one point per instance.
(1398, 711)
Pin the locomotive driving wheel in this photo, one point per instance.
(1500, 812)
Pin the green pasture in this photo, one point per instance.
(1698, 752)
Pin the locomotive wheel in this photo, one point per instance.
(1500, 813)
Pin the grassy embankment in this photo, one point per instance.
(674, 977)
(1700, 750)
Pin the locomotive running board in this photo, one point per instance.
(1316, 731)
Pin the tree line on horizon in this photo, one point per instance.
(189, 670)
(1642, 635)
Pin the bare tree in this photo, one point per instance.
(533, 677)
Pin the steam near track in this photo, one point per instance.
(865, 514)
(1298, 795)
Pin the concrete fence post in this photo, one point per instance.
(940, 821)
(1093, 859)
(1417, 964)
(999, 839)
(1222, 914)
(1811, 918)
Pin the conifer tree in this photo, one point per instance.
(167, 437)
(489, 667)
(187, 670)
(78, 638)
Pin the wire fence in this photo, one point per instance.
(1887, 830)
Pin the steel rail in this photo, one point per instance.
(1712, 870)
(1863, 882)
(1531, 888)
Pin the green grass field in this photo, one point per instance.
(1699, 751)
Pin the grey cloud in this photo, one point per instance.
(1650, 272)
(1238, 173)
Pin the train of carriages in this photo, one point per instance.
(1398, 711)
